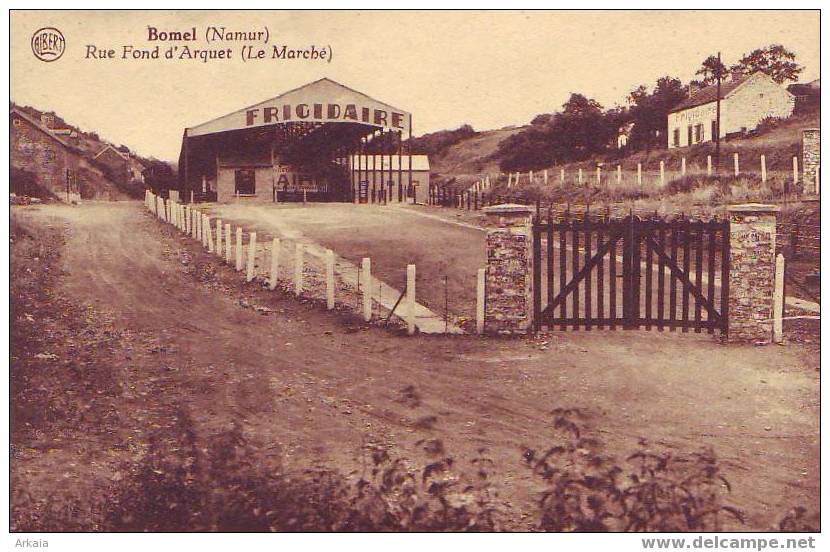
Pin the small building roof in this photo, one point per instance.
(727, 88)
(709, 93)
(109, 147)
(384, 162)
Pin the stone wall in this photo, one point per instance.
(34, 151)
(751, 272)
(810, 157)
(509, 276)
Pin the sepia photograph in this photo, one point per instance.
(414, 271)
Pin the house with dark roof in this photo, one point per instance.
(35, 148)
(57, 165)
(746, 100)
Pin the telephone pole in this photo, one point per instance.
(717, 118)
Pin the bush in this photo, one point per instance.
(654, 491)
(178, 487)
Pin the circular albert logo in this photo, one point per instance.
(48, 44)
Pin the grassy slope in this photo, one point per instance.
(473, 157)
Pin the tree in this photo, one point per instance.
(774, 60)
(580, 130)
(159, 176)
(649, 111)
(710, 69)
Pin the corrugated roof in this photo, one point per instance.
(710, 94)
(322, 91)
(382, 162)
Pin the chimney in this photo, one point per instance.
(737, 74)
(694, 88)
(47, 120)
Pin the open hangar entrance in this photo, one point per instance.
(320, 142)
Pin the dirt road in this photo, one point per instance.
(315, 385)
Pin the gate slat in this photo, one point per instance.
(549, 261)
(612, 282)
(710, 271)
(686, 267)
(661, 277)
(563, 271)
(636, 273)
(672, 280)
(698, 276)
(600, 280)
(649, 230)
(575, 269)
(587, 257)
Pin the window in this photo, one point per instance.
(16, 122)
(676, 137)
(698, 133)
(245, 182)
(689, 135)
(714, 129)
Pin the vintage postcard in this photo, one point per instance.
(416, 271)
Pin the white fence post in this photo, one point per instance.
(599, 175)
(778, 301)
(682, 166)
(546, 177)
(737, 164)
(228, 248)
(298, 269)
(639, 174)
(219, 238)
(209, 234)
(708, 165)
(249, 274)
(561, 176)
(579, 177)
(366, 288)
(763, 168)
(662, 173)
(329, 279)
(410, 299)
(480, 297)
(619, 174)
(238, 251)
(275, 263)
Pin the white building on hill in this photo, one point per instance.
(746, 100)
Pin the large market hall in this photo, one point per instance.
(320, 142)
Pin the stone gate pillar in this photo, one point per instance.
(509, 277)
(751, 272)
(810, 158)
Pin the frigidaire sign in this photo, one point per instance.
(48, 44)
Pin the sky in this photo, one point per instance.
(488, 69)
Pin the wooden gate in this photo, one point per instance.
(631, 273)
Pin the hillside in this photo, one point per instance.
(96, 179)
(472, 157)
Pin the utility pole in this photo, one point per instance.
(717, 117)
